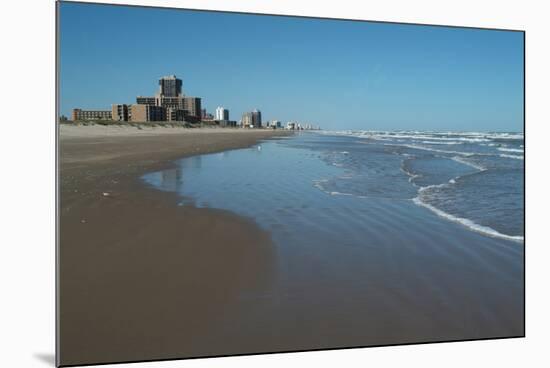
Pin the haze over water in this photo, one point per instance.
(386, 237)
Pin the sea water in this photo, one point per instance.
(473, 179)
(379, 237)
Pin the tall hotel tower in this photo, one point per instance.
(170, 86)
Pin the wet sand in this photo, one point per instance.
(140, 277)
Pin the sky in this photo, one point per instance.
(333, 73)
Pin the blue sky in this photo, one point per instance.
(337, 74)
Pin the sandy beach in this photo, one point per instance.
(140, 276)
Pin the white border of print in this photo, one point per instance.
(27, 187)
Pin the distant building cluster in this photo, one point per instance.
(252, 119)
(293, 125)
(274, 124)
(171, 104)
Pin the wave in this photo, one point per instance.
(447, 143)
(442, 185)
(340, 193)
(485, 230)
(464, 154)
(411, 175)
(423, 148)
(510, 149)
(427, 137)
(460, 220)
(468, 163)
(512, 156)
(463, 137)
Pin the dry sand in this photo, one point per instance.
(140, 277)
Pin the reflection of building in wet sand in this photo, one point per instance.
(193, 162)
(171, 179)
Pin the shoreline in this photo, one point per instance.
(124, 246)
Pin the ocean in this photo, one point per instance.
(475, 179)
(379, 237)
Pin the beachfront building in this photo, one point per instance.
(79, 114)
(168, 104)
(193, 107)
(274, 124)
(246, 120)
(252, 119)
(222, 114)
(144, 113)
(174, 114)
(257, 118)
(142, 100)
(227, 123)
(170, 86)
(120, 112)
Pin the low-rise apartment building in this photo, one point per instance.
(79, 114)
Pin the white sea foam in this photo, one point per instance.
(423, 189)
(453, 140)
(512, 136)
(469, 137)
(510, 150)
(485, 230)
(447, 143)
(410, 175)
(318, 184)
(464, 137)
(517, 157)
(468, 163)
(423, 148)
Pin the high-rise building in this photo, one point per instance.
(170, 86)
(246, 120)
(193, 107)
(222, 114)
(257, 118)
